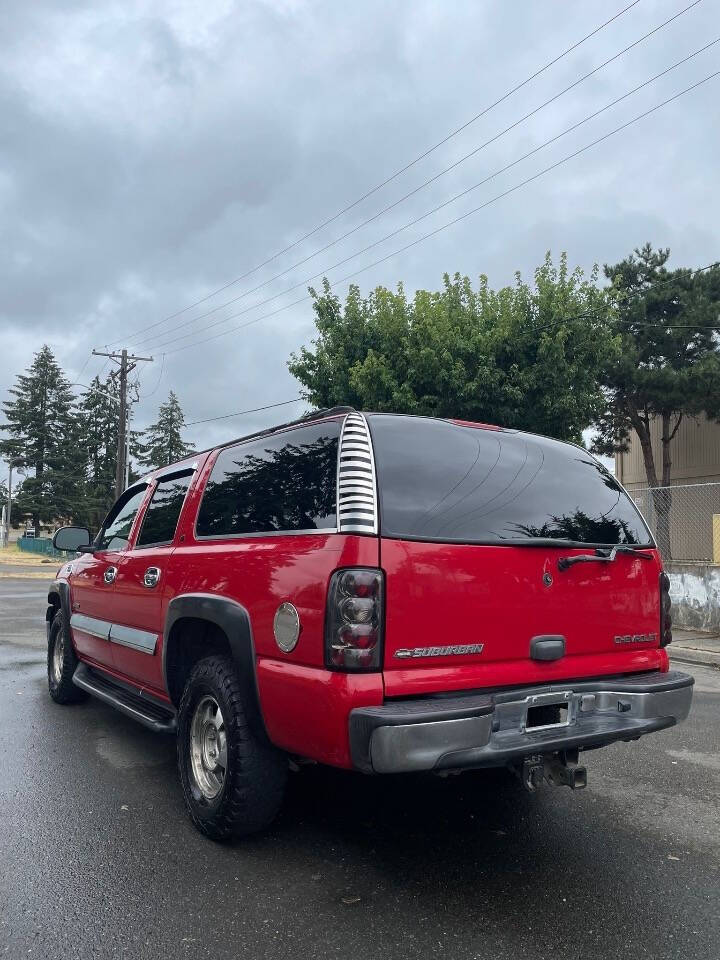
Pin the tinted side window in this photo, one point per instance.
(116, 529)
(442, 481)
(163, 511)
(282, 482)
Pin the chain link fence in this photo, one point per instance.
(681, 519)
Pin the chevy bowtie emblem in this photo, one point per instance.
(457, 650)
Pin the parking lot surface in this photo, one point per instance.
(98, 859)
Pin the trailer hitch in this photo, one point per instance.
(562, 770)
(559, 769)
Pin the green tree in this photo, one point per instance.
(42, 436)
(98, 412)
(668, 367)
(162, 441)
(524, 356)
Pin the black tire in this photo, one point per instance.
(60, 669)
(253, 782)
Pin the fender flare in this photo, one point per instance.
(61, 590)
(234, 620)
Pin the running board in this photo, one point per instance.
(138, 706)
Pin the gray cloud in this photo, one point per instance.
(151, 152)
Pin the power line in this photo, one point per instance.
(655, 285)
(240, 413)
(641, 295)
(437, 230)
(398, 172)
(441, 173)
(434, 209)
(157, 385)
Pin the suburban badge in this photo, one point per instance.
(408, 653)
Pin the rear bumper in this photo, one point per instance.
(490, 730)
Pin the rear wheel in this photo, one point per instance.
(233, 782)
(61, 663)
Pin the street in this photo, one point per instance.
(99, 859)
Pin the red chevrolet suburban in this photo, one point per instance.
(377, 592)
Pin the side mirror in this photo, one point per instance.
(71, 539)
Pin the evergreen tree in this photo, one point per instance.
(40, 424)
(98, 412)
(669, 364)
(163, 443)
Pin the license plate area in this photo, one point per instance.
(548, 711)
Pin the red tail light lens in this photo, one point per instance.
(665, 611)
(353, 629)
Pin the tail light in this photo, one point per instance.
(354, 623)
(665, 611)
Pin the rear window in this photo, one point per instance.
(281, 483)
(441, 481)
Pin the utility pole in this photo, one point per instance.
(127, 363)
(11, 463)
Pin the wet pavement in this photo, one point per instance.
(98, 859)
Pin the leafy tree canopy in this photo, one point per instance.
(525, 356)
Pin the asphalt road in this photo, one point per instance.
(97, 858)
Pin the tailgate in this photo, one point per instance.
(463, 616)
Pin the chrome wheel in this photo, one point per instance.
(208, 748)
(58, 657)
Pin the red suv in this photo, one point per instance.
(376, 592)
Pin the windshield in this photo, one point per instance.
(446, 482)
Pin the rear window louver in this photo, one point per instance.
(357, 502)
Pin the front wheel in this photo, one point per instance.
(61, 663)
(232, 782)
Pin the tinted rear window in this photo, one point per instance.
(441, 481)
(285, 482)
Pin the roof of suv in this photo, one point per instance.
(330, 412)
(307, 418)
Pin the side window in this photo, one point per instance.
(116, 529)
(283, 482)
(163, 511)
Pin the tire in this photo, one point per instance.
(232, 782)
(61, 663)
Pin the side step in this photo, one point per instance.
(139, 706)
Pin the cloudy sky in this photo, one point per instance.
(151, 153)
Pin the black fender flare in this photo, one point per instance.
(59, 589)
(234, 620)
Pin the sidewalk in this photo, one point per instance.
(694, 646)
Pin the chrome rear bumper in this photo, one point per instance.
(490, 730)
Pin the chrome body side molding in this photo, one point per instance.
(104, 630)
(136, 639)
(91, 625)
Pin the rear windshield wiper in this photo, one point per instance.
(598, 557)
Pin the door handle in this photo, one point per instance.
(152, 576)
(110, 574)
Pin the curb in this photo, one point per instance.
(703, 658)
